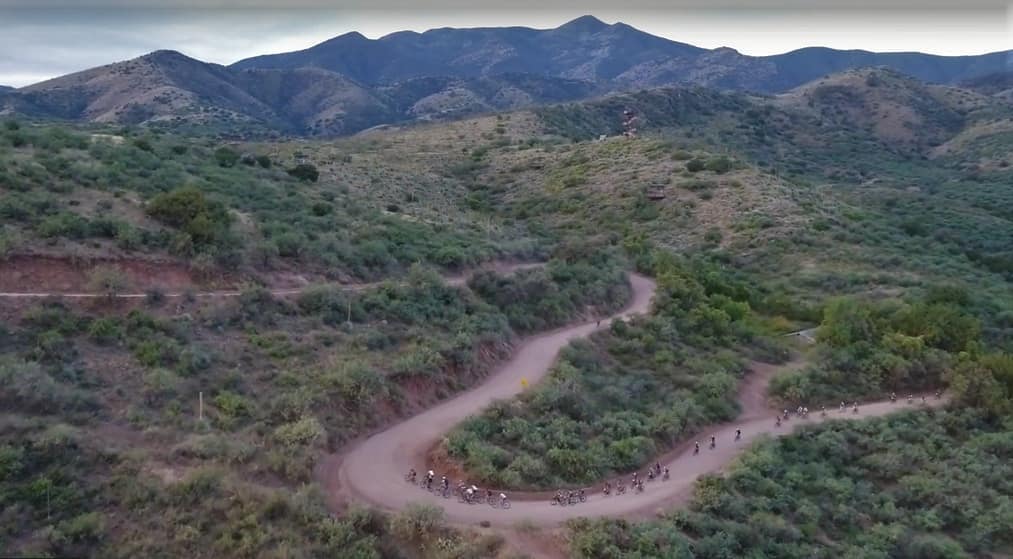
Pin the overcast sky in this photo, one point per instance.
(40, 39)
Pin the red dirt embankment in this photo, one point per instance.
(34, 274)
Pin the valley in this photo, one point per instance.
(237, 303)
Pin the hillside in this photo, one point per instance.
(616, 56)
(898, 109)
(168, 89)
(371, 277)
(351, 83)
(999, 84)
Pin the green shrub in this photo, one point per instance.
(226, 157)
(304, 172)
(720, 164)
(695, 165)
(418, 523)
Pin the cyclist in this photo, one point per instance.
(738, 434)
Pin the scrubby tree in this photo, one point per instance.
(226, 157)
(202, 221)
(305, 172)
(720, 164)
(107, 280)
(695, 165)
(418, 523)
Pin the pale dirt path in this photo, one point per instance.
(373, 471)
(455, 280)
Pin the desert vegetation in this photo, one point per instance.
(617, 400)
(756, 215)
(911, 485)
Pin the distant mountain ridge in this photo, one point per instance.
(592, 50)
(350, 82)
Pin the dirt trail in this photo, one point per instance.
(457, 280)
(373, 471)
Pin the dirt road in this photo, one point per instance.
(373, 471)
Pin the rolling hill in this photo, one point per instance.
(168, 88)
(351, 83)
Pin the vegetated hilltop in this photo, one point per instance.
(168, 89)
(812, 200)
(998, 84)
(229, 211)
(351, 83)
(804, 181)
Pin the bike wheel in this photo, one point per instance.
(505, 504)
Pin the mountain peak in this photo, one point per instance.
(584, 24)
(352, 37)
(165, 55)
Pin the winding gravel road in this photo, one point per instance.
(373, 471)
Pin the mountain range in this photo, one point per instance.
(350, 82)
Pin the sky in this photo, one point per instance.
(40, 39)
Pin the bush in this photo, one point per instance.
(201, 221)
(304, 432)
(108, 281)
(304, 172)
(105, 330)
(695, 165)
(719, 165)
(226, 157)
(418, 523)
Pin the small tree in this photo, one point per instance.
(305, 172)
(417, 523)
(695, 165)
(719, 165)
(226, 157)
(107, 280)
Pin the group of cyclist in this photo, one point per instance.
(471, 494)
(467, 493)
(637, 482)
(911, 397)
(803, 412)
